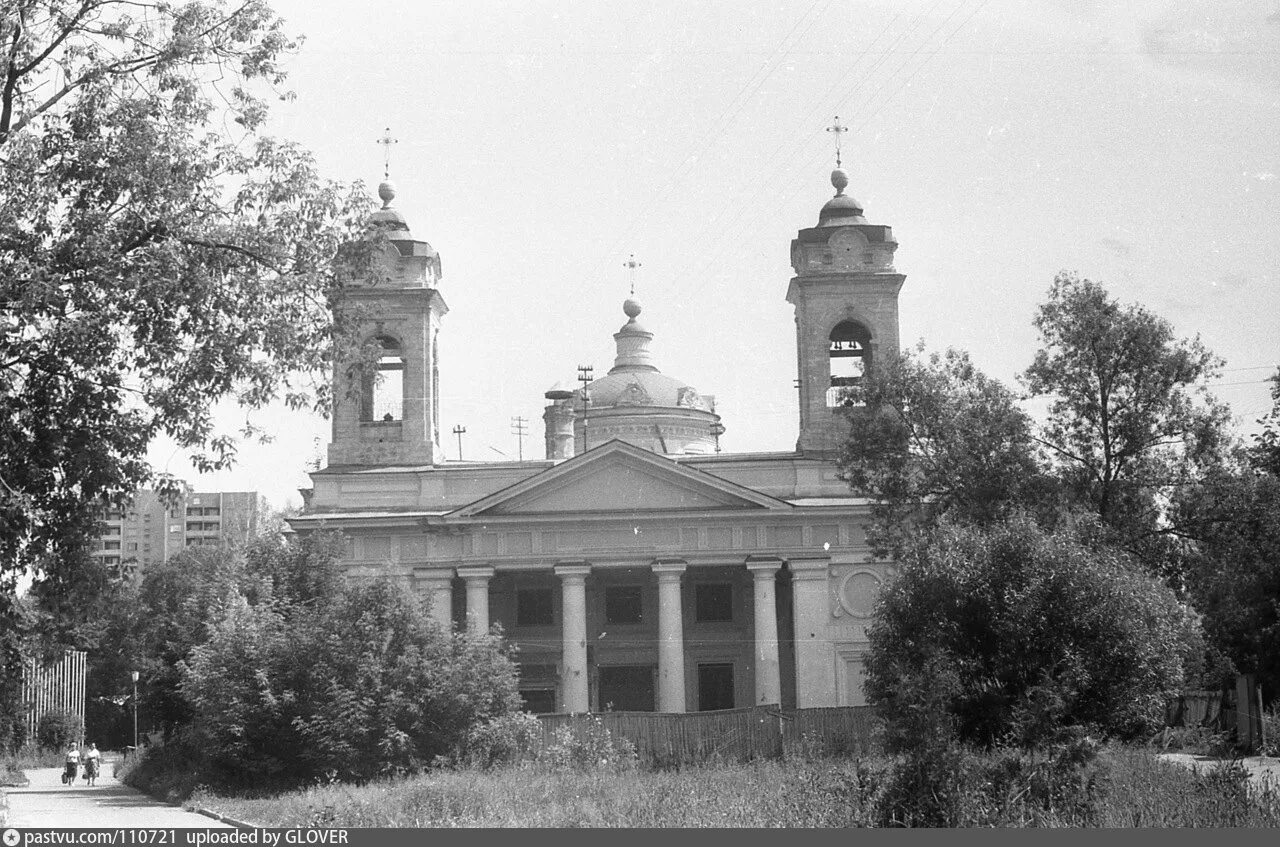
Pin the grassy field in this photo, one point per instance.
(1138, 791)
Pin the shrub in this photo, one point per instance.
(1018, 632)
(588, 745)
(504, 740)
(359, 687)
(59, 730)
(1271, 731)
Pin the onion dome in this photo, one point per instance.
(842, 209)
(388, 218)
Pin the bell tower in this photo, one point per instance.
(845, 292)
(390, 413)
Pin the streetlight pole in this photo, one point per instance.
(135, 711)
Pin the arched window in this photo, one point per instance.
(850, 358)
(384, 388)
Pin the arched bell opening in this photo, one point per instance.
(849, 356)
(382, 388)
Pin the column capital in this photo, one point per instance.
(433, 574)
(573, 570)
(763, 566)
(476, 572)
(669, 568)
(815, 568)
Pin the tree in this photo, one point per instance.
(1035, 630)
(935, 436)
(361, 686)
(1265, 454)
(1233, 567)
(1130, 420)
(1231, 525)
(152, 261)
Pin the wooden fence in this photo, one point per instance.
(735, 734)
(1209, 709)
(54, 687)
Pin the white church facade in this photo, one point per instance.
(636, 566)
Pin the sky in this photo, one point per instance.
(540, 144)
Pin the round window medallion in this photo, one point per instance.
(858, 592)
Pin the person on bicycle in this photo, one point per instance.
(92, 759)
(73, 764)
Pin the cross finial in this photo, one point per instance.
(631, 265)
(386, 141)
(839, 130)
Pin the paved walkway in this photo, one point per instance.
(1263, 770)
(46, 802)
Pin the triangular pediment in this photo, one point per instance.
(619, 477)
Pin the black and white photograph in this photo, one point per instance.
(683, 414)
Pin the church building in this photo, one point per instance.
(637, 567)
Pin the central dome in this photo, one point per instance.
(636, 403)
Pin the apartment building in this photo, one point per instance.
(148, 530)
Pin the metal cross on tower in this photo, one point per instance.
(458, 430)
(386, 141)
(631, 265)
(839, 130)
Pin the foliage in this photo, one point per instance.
(1022, 633)
(1119, 788)
(15, 626)
(1270, 731)
(503, 740)
(1232, 566)
(936, 436)
(360, 687)
(157, 255)
(59, 730)
(588, 746)
(1130, 421)
(1265, 454)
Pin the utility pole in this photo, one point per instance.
(519, 427)
(458, 430)
(585, 377)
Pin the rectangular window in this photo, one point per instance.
(713, 602)
(111, 545)
(622, 604)
(534, 607)
(715, 686)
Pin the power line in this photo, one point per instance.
(726, 116)
(801, 186)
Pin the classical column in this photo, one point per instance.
(811, 612)
(670, 637)
(477, 580)
(437, 586)
(573, 608)
(768, 679)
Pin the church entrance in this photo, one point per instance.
(627, 688)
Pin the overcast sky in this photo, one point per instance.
(541, 143)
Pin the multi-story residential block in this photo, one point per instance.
(148, 530)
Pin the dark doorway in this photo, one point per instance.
(538, 700)
(626, 688)
(715, 686)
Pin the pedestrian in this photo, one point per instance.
(92, 759)
(73, 765)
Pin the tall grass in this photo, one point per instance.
(764, 794)
(1138, 791)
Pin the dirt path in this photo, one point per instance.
(46, 802)
(1263, 770)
